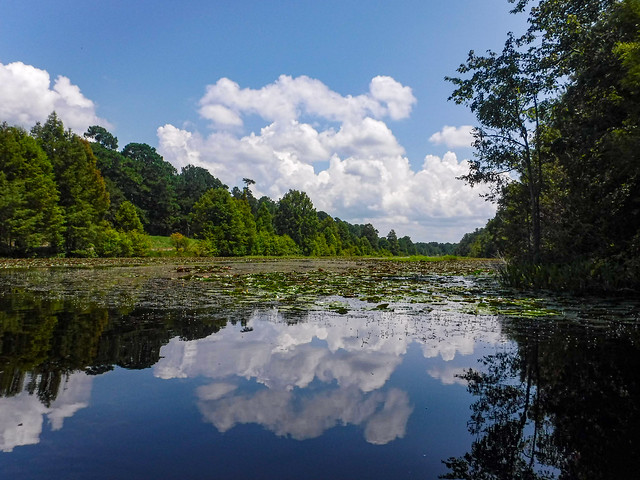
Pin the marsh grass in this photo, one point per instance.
(587, 276)
(424, 258)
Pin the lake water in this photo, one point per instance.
(143, 372)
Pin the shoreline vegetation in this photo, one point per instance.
(62, 195)
(451, 263)
(557, 139)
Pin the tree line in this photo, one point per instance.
(62, 194)
(558, 138)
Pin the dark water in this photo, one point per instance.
(147, 377)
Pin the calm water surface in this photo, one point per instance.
(130, 374)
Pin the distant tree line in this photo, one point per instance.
(62, 194)
(558, 138)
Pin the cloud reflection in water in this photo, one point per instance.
(350, 359)
(22, 416)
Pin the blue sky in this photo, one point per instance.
(341, 99)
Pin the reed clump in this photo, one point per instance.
(585, 276)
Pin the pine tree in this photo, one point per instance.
(29, 213)
(83, 195)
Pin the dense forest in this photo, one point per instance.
(62, 194)
(558, 138)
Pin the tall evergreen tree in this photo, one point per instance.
(29, 213)
(83, 195)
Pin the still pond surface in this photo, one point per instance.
(348, 371)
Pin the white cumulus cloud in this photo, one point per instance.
(399, 99)
(453, 137)
(27, 96)
(339, 149)
(288, 98)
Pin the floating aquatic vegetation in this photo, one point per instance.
(296, 285)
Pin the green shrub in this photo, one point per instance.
(140, 243)
(272, 245)
(114, 243)
(179, 242)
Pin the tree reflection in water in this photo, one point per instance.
(564, 404)
(42, 342)
(51, 349)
